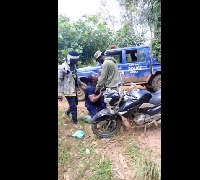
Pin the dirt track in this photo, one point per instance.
(115, 148)
(152, 137)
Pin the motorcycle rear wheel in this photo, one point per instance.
(113, 128)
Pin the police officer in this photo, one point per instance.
(68, 82)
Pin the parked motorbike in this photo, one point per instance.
(138, 105)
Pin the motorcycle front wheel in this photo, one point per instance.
(107, 127)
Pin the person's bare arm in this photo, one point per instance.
(79, 82)
(93, 98)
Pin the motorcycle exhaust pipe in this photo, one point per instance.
(154, 110)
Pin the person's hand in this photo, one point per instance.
(101, 93)
(96, 91)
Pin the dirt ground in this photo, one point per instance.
(114, 149)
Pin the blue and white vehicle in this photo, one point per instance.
(135, 66)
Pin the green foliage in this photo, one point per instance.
(91, 33)
(156, 21)
(85, 36)
(88, 35)
(156, 46)
(124, 37)
(91, 63)
(148, 12)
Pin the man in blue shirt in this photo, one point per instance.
(92, 100)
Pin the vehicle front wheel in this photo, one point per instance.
(156, 83)
(107, 127)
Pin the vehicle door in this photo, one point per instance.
(126, 70)
(143, 65)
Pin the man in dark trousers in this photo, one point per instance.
(68, 82)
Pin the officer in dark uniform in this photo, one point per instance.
(68, 82)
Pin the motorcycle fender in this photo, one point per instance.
(101, 116)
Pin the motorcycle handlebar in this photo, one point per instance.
(102, 89)
(120, 84)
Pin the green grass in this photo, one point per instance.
(104, 171)
(60, 119)
(64, 156)
(60, 113)
(72, 154)
(99, 170)
(83, 151)
(93, 163)
(145, 168)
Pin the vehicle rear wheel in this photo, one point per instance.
(156, 83)
(150, 89)
(107, 128)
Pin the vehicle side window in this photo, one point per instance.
(128, 58)
(131, 56)
(140, 55)
(118, 59)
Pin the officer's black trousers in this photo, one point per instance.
(72, 107)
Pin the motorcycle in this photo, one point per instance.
(138, 105)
